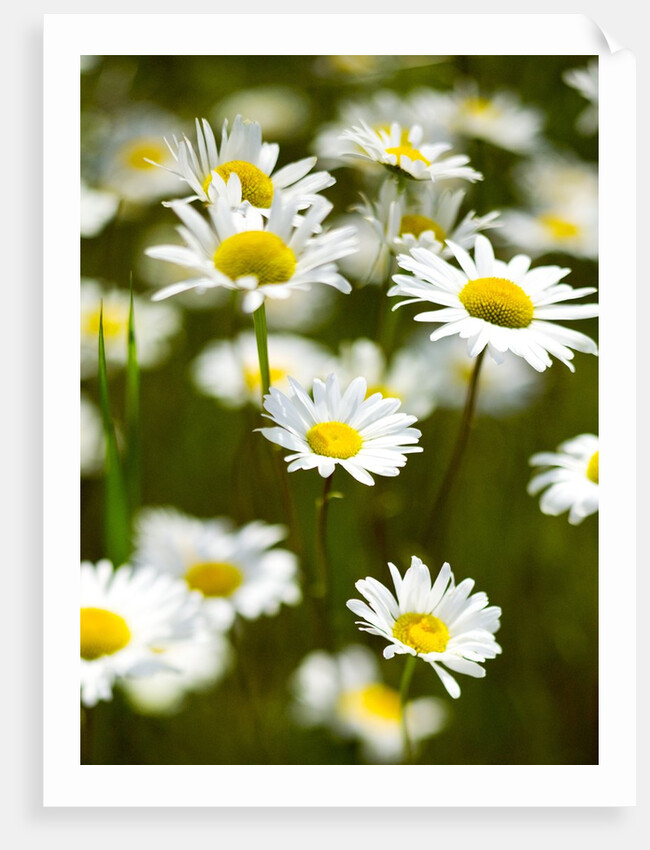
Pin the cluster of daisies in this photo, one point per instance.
(160, 626)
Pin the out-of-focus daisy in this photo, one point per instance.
(363, 435)
(370, 263)
(557, 181)
(585, 81)
(194, 665)
(345, 693)
(235, 569)
(155, 327)
(404, 151)
(283, 112)
(122, 148)
(441, 623)
(92, 438)
(571, 478)
(573, 230)
(499, 118)
(402, 223)
(229, 370)
(408, 375)
(378, 111)
(505, 387)
(126, 615)
(496, 305)
(242, 152)
(96, 210)
(263, 258)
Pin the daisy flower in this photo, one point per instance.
(441, 622)
(126, 615)
(282, 112)
(572, 230)
(235, 569)
(571, 477)
(363, 435)
(557, 181)
(408, 375)
(263, 258)
(505, 387)
(496, 305)
(155, 327)
(585, 81)
(229, 370)
(194, 666)
(122, 152)
(242, 152)
(402, 223)
(96, 209)
(345, 693)
(500, 118)
(403, 151)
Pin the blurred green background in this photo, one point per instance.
(538, 702)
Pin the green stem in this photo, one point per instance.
(261, 336)
(407, 675)
(451, 475)
(320, 590)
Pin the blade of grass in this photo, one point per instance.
(132, 459)
(117, 523)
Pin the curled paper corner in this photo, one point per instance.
(606, 44)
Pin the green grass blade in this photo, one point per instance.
(117, 522)
(132, 461)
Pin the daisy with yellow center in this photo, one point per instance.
(499, 118)
(119, 159)
(236, 571)
(427, 220)
(344, 693)
(404, 152)
(208, 169)
(362, 435)
(440, 622)
(229, 371)
(125, 615)
(569, 478)
(263, 257)
(495, 305)
(156, 324)
(572, 229)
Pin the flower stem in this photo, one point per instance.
(261, 337)
(321, 591)
(407, 675)
(451, 475)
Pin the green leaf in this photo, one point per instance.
(117, 521)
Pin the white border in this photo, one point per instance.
(66, 783)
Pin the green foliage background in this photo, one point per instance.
(538, 703)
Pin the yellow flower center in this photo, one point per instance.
(102, 633)
(214, 578)
(253, 379)
(559, 228)
(376, 700)
(498, 301)
(406, 149)
(423, 632)
(137, 152)
(258, 253)
(256, 186)
(592, 468)
(478, 106)
(114, 321)
(334, 439)
(418, 224)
